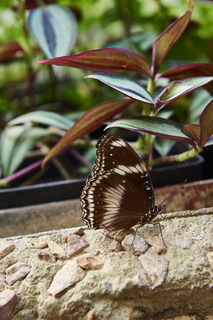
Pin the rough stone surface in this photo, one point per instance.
(6, 247)
(67, 276)
(8, 300)
(121, 289)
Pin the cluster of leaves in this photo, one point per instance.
(24, 132)
(108, 62)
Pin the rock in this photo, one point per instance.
(67, 276)
(57, 250)
(114, 246)
(39, 243)
(174, 239)
(6, 247)
(156, 242)
(47, 256)
(75, 244)
(89, 262)
(8, 300)
(16, 272)
(155, 266)
(135, 244)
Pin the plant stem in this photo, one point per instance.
(176, 158)
(4, 183)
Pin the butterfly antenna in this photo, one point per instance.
(181, 186)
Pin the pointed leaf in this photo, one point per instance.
(154, 125)
(54, 29)
(89, 121)
(206, 123)
(105, 60)
(165, 41)
(125, 85)
(15, 143)
(192, 131)
(44, 117)
(189, 71)
(175, 89)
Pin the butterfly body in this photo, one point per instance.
(119, 193)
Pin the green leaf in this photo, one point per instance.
(44, 117)
(176, 89)
(105, 60)
(125, 85)
(54, 29)
(15, 143)
(165, 41)
(154, 125)
(89, 121)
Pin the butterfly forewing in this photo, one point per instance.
(119, 193)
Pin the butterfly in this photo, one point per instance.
(119, 193)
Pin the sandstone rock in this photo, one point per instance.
(155, 266)
(6, 247)
(47, 256)
(16, 272)
(75, 244)
(39, 243)
(210, 258)
(8, 300)
(114, 246)
(67, 276)
(89, 262)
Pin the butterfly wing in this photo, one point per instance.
(119, 193)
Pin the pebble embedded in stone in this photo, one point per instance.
(75, 244)
(89, 262)
(39, 243)
(67, 276)
(57, 250)
(155, 266)
(174, 239)
(8, 300)
(156, 242)
(16, 272)
(6, 247)
(114, 246)
(47, 256)
(135, 243)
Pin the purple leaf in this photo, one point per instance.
(125, 85)
(154, 125)
(189, 71)
(89, 121)
(165, 41)
(206, 123)
(104, 60)
(192, 131)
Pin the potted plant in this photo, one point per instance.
(149, 91)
